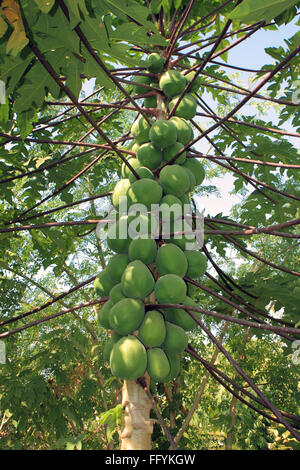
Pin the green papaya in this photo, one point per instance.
(152, 331)
(120, 190)
(170, 289)
(155, 63)
(142, 172)
(158, 366)
(174, 362)
(137, 280)
(143, 249)
(176, 339)
(145, 191)
(171, 151)
(171, 259)
(104, 315)
(163, 133)
(174, 180)
(126, 315)
(196, 168)
(186, 108)
(116, 266)
(103, 283)
(185, 132)
(116, 293)
(172, 83)
(128, 358)
(109, 345)
(149, 156)
(197, 264)
(140, 130)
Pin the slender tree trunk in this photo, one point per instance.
(230, 434)
(137, 426)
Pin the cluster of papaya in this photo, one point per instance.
(147, 270)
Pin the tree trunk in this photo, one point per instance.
(137, 426)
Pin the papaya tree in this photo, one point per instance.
(115, 114)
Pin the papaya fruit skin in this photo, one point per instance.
(142, 172)
(140, 130)
(172, 83)
(126, 315)
(137, 280)
(117, 265)
(181, 317)
(163, 133)
(196, 84)
(145, 191)
(187, 107)
(174, 362)
(158, 366)
(185, 133)
(125, 171)
(103, 284)
(128, 358)
(176, 339)
(172, 150)
(197, 264)
(150, 102)
(142, 79)
(120, 190)
(174, 180)
(155, 63)
(149, 156)
(152, 331)
(104, 315)
(170, 289)
(171, 259)
(143, 249)
(116, 293)
(115, 232)
(109, 345)
(196, 168)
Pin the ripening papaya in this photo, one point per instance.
(126, 315)
(128, 358)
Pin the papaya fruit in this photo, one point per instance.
(192, 179)
(137, 280)
(181, 317)
(172, 150)
(197, 264)
(170, 289)
(155, 63)
(135, 146)
(116, 293)
(184, 242)
(185, 132)
(143, 226)
(194, 88)
(158, 366)
(172, 83)
(187, 107)
(174, 180)
(171, 259)
(126, 315)
(145, 191)
(109, 345)
(120, 190)
(117, 265)
(118, 239)
(128, 358)
(142, 80)
(143, 172)
(163, 133)
(176, 339)
(152, 331)
(103, 283)
(196, 168)
(174, 362)
(126, 171)
(140, 130)
(150, 156)
(143, 249)
(104, 315)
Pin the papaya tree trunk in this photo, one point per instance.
(137, 426)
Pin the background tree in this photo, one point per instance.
(62, 145)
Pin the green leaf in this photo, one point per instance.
(251, 10)
(155, 6)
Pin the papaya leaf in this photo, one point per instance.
(250, 10)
